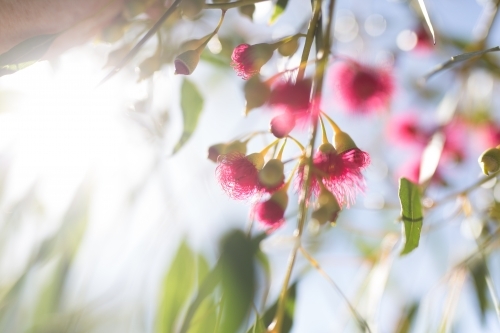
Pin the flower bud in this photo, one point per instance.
(282, 125)
(216, 150)
(289, 48)
(328, 209)
(343, 142)
(271, 212)
(186, 62)
(271, 175)
(247, 11)
(236, 146)
(149, 66)
(256, 159)
(256, 93)
(490, 161)
(326, 148)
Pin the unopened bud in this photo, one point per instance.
(490, 161)
(272, 174)
(280, 197)
(256, 159)
(191, 8)
(216, 150)
(326, 148)
(289, 48)
(256, 93)
(328, 209)
(236, 146)
(343, 142)
(247, 11)
(186, 62)
(282, 125)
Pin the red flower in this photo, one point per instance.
(282, 125)
(340, 173)
(270, 214)
(363, 89)
(294, 100)
(238, 176)
(248, 59)
(488, 136)
(454, 145)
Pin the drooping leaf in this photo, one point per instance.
(191, 106)
(266, 319)
(279, 8)
(427, 19)
(406, 319)
(177, 287)
(25, 54)
(479, 272)
(204, 319)
(456, 59)
(411, 213)
(237, 280)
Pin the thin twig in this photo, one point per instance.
(132, 53)
(361, 321)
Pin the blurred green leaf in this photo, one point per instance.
(203, 269)
(411, 212)
(238, 280)
(268, 316)
(191, 106)
(279, 8)
(25, 54)
(177, 287)
(204, 319)
(406, 319)
(456, 59)
(479, 272)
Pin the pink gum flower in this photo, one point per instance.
(362, 89)
(248, 59)
(238, 176)
(340, 173)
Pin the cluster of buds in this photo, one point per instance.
(335, 177)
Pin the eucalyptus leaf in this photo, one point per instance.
(407, 318)
(279, 8)
(411, 213)
(456, 59)
(25, 54)
(191, 106)
(177, 287)
(479, 272)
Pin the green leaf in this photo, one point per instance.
(407, 318)
(427, 19)
(456, 59)
(411, 212)
(204, 319)
(238, 280)
(268, 316)
(25, 54)
(279, 8)
(191, 106)
(177, 287)
(479, 272)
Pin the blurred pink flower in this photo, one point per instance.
(362, 89)
(487, 135)
(404, 129)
